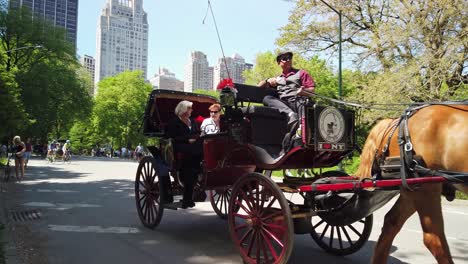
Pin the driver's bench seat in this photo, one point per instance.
(267, 127)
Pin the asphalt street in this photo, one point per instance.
(84, 212)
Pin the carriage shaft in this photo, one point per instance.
(359, 184)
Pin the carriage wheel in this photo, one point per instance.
(262, 229)
(341, 240)
(148, 206)
(219, 199)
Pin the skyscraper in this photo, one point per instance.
(198, 74)
(88, 63)
(236, 65)
(62, 13)
(122, 38)
(165, 79)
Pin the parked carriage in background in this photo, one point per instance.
(334, 208)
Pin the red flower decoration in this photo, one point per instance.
(225, 83)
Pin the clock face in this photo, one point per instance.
(331, 125)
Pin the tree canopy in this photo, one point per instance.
(419, 46)
(119, 108)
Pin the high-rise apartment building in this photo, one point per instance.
(198, 74)
(236, 66)
(88, 63)
(122, 38)
(62, 13)
(165, 79)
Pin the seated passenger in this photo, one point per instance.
(211, 124)
(184, 131)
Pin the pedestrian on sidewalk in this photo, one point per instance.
(19, 148)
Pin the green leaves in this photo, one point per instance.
(119, 108)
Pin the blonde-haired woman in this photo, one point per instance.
(19, 147)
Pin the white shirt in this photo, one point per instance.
(209, 126)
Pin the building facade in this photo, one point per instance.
(197, 73)
(88, 63)
(165, 79)
(61, 13)
(122, 39)
(236, 66)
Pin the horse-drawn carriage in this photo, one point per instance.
(334, 208)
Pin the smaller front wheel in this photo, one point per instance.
(147, 194)
(260, 221)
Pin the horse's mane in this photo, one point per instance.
(374, 139)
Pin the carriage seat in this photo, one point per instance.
(267, 126)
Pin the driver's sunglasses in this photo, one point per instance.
(214, 112)
(286, 58)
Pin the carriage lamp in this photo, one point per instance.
(227, 96)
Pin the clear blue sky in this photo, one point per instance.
(246, 27)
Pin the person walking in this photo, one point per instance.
(19, 148)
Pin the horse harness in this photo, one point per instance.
(408, 164)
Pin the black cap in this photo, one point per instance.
(281, 53)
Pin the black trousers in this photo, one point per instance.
(189, 166)
(293, 107)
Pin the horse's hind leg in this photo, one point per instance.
(428, 205)
(394, 220)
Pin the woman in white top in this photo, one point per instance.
(211, 124)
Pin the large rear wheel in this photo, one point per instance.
(262, 229)
(147, 193)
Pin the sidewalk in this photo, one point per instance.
(11, 256)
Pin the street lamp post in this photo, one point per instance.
(340, 80)
(25, 47)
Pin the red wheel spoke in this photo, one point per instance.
(239, 203)
(243, 196)
(273, 215)
(245, 236)
(258, 247)
(273, 237)
(270, 246)
(241, 216)
(280, 227)
(252, 241)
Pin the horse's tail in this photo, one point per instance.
(373, 141)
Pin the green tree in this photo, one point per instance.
(420, 45)
(12, 114)
(119, 108)
(44, 66)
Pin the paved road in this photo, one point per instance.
(84, 212)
